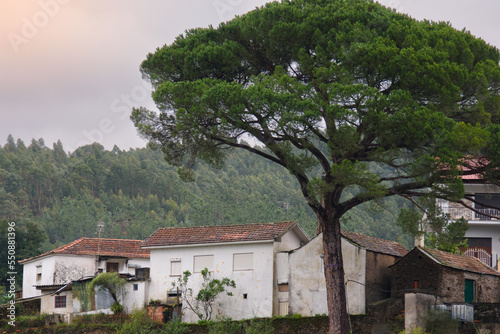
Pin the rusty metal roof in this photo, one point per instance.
(103, 247)
(176, 236)
(375, 244)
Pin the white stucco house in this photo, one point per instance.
(367, 276)
(59, 277)
(246, 254)
(483, 235)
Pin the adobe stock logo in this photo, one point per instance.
(30, 27)
(226, 6)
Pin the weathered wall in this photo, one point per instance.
(378, 276)
(135, 299)
(307, 278)
(452, 288)
(256, 284)
(56, 269)
(416, 307)
(447, 283)
(47, 304)
(83, 299)
(415, 266)
(307, 294)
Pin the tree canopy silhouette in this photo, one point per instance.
(337, 85)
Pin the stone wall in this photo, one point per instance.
(415, 267)
(378, 276)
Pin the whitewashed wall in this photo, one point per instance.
(64, 268)
(307, 279)
(47, 304)
(135, 299)
(56, 269)
(256, 284)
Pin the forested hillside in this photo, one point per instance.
(48, 191)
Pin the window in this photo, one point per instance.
(112, 267)
(175, 267)
(136, 287)
(487, 205)
(203, 261)
(60, 301)
(38, 273)
(243, 261)
(416, 284)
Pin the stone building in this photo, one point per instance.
(451, 277)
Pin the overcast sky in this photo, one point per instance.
(69, 69)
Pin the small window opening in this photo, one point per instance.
(416, 284)
(245, 296)
(136, 286)
(283, 287)
(60, 301)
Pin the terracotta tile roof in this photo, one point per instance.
(473, 163)
(108, 247)
(176, 236)
(375, 244)
(460, 262)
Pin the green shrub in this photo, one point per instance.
(30, 321)
(139, 323)
(439, 322)
(226, 326)
(174, 327)
(259, 326)
(99, 318)
(416, 330)
(116, 308)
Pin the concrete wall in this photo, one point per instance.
(307, 278)
(56, 269)
(256, 293)
(288, 242)
(480, 228)
(62, 269)
(124, 265)
(135, 299)
(416, 306)
(47, 304)
(378, 276)
(253, 296)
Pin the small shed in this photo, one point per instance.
(453, 278)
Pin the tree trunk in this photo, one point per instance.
(334, 276)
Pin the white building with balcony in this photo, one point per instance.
(483, 235)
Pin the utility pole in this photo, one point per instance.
(100, 225)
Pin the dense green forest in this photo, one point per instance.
(60, 196)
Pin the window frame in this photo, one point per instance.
(198, 270)
(175, 274)
(243, 268)
(112, 265)
(60, 301)
(38, 273)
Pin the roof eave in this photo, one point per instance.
(209, 244)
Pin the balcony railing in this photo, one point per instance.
(482, 214)
(483, 256)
